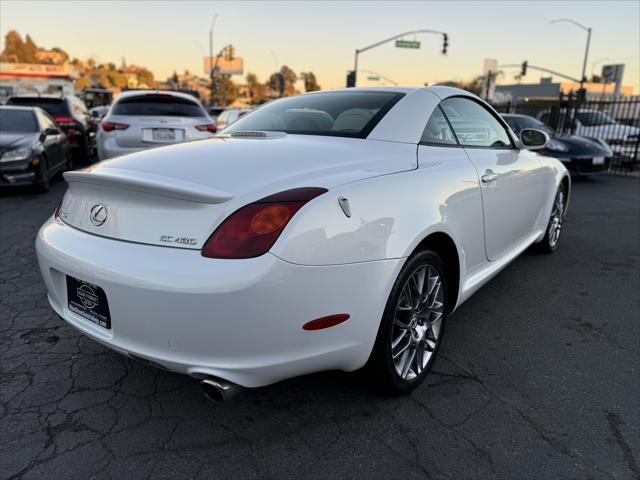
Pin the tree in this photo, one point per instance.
(225, 91)
(63, 55)
(13, 46)
(474, 86)
(310, 83)
(256, 89)
(29, 51)
(290, 79)
(146, 77)
(82, 83)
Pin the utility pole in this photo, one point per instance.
(586, 50)
(211, 72)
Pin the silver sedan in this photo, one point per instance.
(142, 119)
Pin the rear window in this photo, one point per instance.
(56, 107)
(157, 105)
(17, 121)
(340, 114)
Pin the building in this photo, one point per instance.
(548, 90)
(21, 78)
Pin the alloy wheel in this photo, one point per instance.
(557, 215)
(417, 324)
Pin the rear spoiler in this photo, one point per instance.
(148, 183)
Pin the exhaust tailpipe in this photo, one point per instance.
(219, 390)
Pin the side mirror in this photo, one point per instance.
(51, 131)
(533, 139)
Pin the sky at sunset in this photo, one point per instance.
(322, 36)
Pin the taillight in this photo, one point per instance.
(110, 126)
(207, 127)
(66, 121)
(252, 230)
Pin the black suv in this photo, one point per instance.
(71, 115)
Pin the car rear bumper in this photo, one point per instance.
(240, 320)
(108, 146)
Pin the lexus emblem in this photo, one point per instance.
(98, 215)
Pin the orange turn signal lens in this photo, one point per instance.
(270, 219)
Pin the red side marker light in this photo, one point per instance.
(326, 322)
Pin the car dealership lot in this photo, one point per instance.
(537, 378)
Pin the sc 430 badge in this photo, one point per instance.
(178, 240)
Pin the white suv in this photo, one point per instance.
(144, 119)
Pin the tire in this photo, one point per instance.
(549, 243)
(413, 336)
(43, 183)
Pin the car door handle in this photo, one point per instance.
(489, 177)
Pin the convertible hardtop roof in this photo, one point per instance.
(405, 121)
(440, 90)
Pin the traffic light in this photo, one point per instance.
(523, 70)
(229, 53)
(351, 79)
(445, 43)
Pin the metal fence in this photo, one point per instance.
(615, 121)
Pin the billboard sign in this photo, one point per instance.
(34, 70)
(224, 67)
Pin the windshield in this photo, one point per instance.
(158, 105)
(17, 121)
(340, 114)
(517, 124)
(56, 107)
(593, 118)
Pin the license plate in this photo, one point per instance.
(598, 161)
(89, 301)
(163, 134)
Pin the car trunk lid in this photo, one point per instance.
(177, 195)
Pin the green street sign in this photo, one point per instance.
(407, 44)
(373, 78)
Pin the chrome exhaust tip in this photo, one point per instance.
(218, 390)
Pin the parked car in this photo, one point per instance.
(330, 230)
(622, 139)
(581, 155)
(230, 115)
(214, 112)
(32, 148)
(143, 119)
(71, 115)
(98, 113)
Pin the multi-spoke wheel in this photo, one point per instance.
(554, 228)
(418, 321)
(412, 325)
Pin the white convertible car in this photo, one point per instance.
(331, 230)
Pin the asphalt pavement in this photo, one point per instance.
(538, 378)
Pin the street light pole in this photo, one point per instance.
(213, 22)
(586, 51)
(377, 44)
